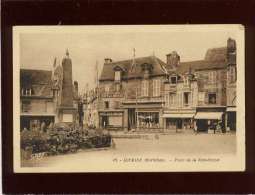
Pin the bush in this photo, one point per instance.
(61, 141)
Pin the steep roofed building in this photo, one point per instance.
(132, 93)
(45, 96)
(197, 90)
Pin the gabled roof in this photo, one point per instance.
(215, 58)
(108, 69)
(38, 80)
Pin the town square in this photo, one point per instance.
(81, 103)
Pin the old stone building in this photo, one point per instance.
(180, 91)
(131, 93)
(146, 93)
(231, 85)
(37, 102)
(48, 96)
(196, 91)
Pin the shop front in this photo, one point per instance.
(231, 118)
(209, 121)
(34, 122)
(148, 120)
(111, 120)
(143, 116)
(178, 121)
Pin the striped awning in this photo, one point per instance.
(178, 115)
(209, 115)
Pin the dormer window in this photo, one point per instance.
(186, 80)
(146, 68)
(27, 92)
(117, 73)
(117, 76)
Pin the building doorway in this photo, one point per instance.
(232, 121)
(179, 123)
(104, 121)
(131, 118)
(202, 125)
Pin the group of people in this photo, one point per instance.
(43, 127)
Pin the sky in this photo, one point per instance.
(91, 44)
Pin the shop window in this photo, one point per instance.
(106, 105)
(156, 87)
(212, 98)
(148, 120)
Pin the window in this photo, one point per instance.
(173, 79)
(117, 76)
(106, 105)
(212, 98)
(26, 91)
(156, 87)
(212, 77)
(186, 98)
(148, 120)
(145, 88)
(186, 80)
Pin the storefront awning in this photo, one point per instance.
(178, 115)
(231, 109)
(209, 115)
(36, 114)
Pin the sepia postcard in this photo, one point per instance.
(128, 98)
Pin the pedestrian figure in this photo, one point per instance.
(113, 144)
(43, 126)
(156, 136)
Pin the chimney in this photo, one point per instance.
(172, 60)
(231, 51)
(231, 45)
(107, 60)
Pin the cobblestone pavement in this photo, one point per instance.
(152, 143)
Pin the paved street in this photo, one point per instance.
(169, 144)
